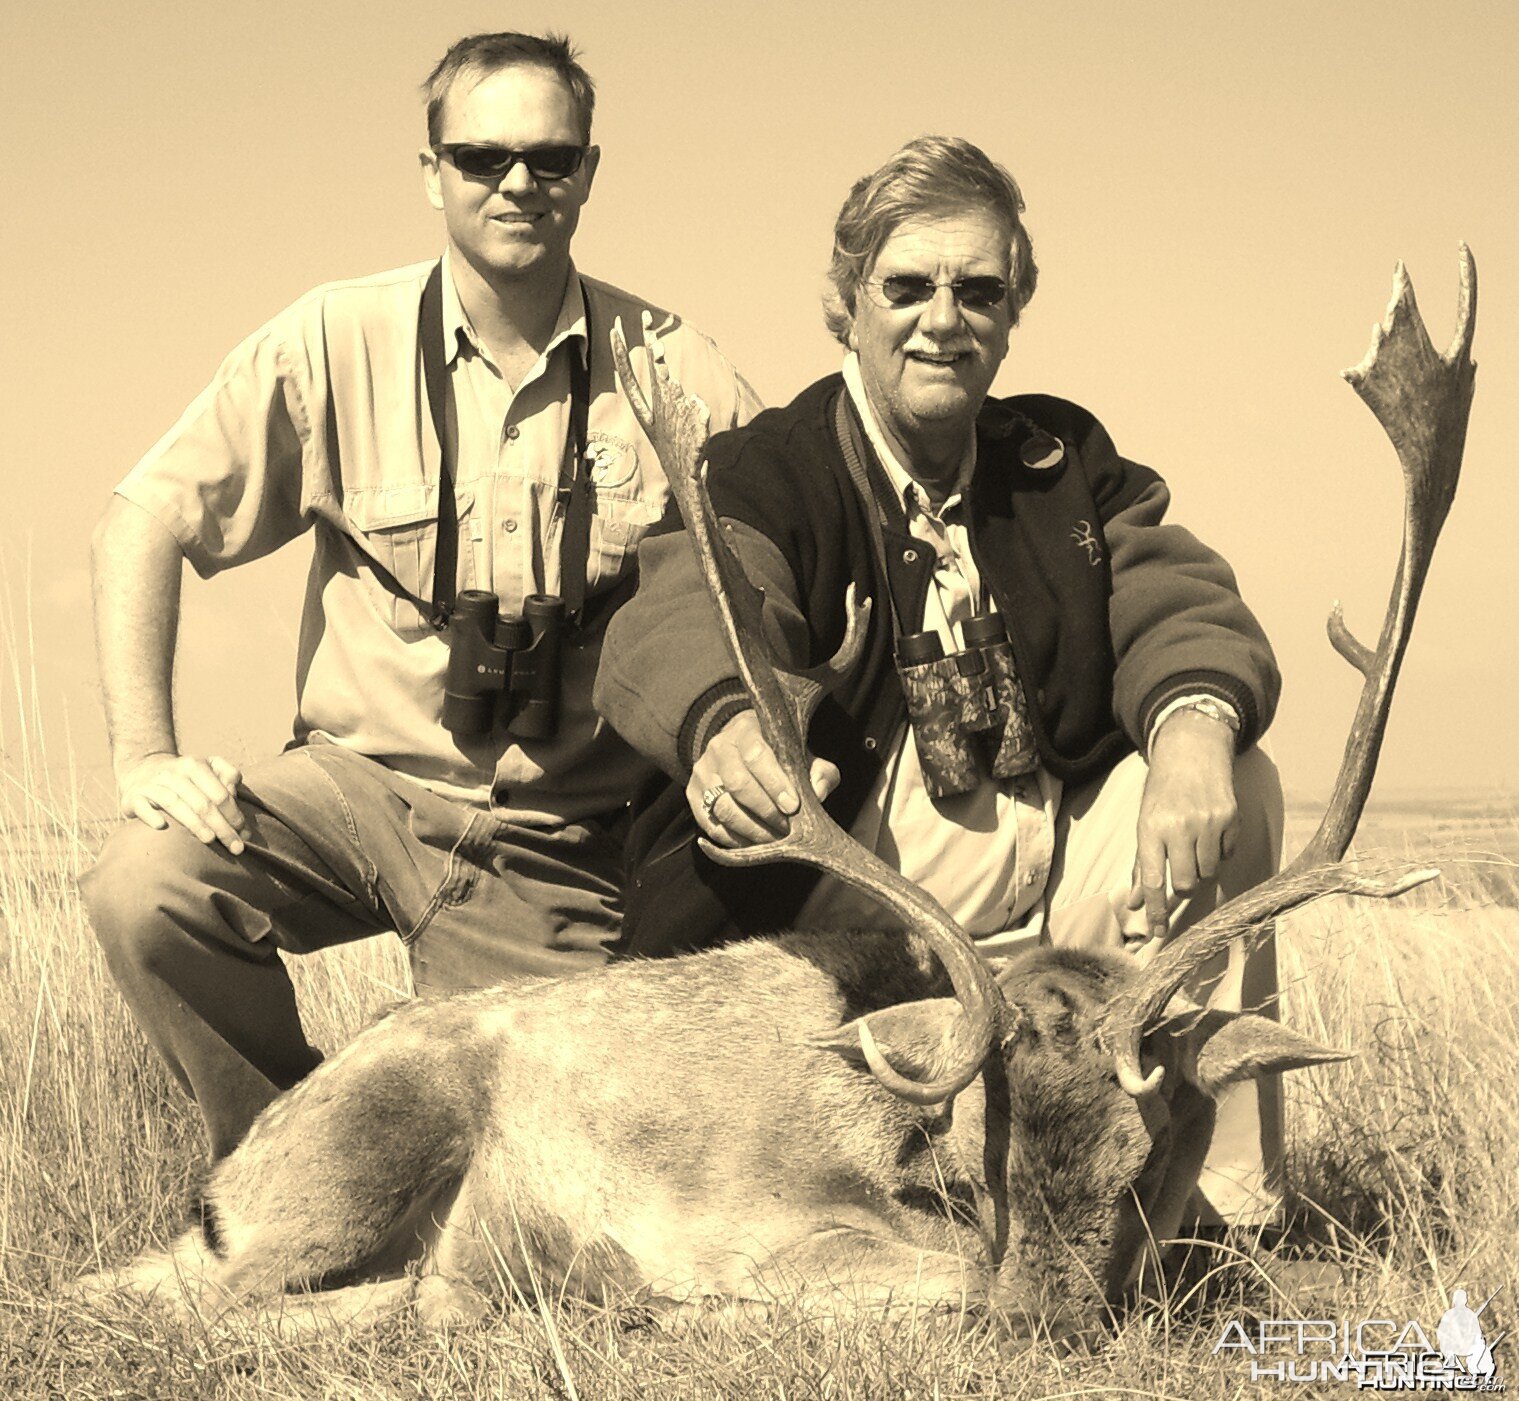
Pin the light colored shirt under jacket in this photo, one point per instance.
(984, 855)
(319, 422)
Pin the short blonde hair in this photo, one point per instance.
(479, 55)
(928, 177)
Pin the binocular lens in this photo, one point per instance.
(544, 609)
(915, 648)
(476, 606)
(984, 630)
(467, 714)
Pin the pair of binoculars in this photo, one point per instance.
(968, 712)
(510, 662)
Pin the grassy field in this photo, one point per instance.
(1404, 1171)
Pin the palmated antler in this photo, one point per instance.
(784, 701)
(1423, 400)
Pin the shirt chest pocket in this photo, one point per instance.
(617, 528)
(395, 532)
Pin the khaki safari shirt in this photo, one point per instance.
(319, 422)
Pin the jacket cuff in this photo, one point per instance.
(1213, 683)
(708, 714)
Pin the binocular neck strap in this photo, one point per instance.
(852, 445)
(575, 543)
(435, 380)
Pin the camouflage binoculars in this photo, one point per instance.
(513, 662)
(968, 712)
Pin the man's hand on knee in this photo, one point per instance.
(1188, 818)
(198, 794)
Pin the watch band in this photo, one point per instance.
(1211, 706)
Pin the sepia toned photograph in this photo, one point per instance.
(779, 702)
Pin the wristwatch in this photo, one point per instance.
(1210, 706)
(1204, 704)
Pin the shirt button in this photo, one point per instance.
(909, 556)
(870, 741)
(508, 526)
(513, 432)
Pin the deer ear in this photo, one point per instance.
(1246, 1046)
(916, 1037)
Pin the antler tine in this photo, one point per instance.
(1423, 401)
(783, 703)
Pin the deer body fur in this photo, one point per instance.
(706, 1127)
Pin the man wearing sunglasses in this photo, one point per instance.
(445, 427)
(1120, 795)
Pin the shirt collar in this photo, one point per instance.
(909, 492)
(458, 330)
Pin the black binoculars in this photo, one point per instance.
(510, 661)
(968, 712)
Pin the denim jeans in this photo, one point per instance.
(338, 848)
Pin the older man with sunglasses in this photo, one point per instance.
(453, 436)
(1111, 792)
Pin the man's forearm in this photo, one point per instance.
(136, 567)
(666, 655)
(1179, 625)
(663, 649)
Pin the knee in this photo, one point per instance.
(140, 877)
(1258, 796)
(1258, 791)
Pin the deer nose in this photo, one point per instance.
(1069, 1325)
(1062, 1331)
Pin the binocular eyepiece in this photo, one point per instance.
(968, 712)
(513, 662)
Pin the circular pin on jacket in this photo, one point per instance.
(1041, 451)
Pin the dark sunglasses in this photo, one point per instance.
(479, 161)
(912, 289)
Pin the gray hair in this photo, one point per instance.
(928, 177)
(479, 55)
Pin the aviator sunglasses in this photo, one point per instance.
(912, 289)
(480, 161)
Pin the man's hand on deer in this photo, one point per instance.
(738, 791)
(1188, 818)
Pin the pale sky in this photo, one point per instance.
(1217, 193)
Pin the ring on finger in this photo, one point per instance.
(710, 796)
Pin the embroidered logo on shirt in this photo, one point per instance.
(614, 461)
(1084, 536)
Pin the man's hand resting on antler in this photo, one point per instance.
(737, 790)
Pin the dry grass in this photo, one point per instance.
(1404, 1164)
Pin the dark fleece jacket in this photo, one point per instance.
(1111, 614)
